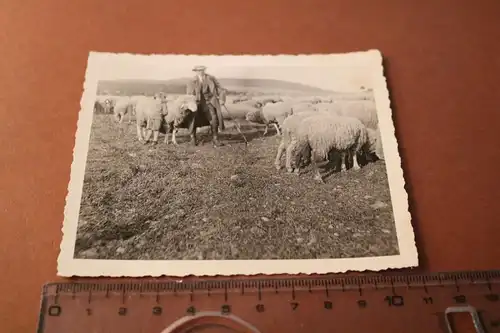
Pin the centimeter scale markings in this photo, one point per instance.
(370, 303)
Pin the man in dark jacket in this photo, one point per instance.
(210, 95)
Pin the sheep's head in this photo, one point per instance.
(188, 103)
(109, 105)
(254, 116)
(372, 142)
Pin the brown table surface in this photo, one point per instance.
(443, 69)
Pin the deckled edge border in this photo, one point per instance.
(68, 266)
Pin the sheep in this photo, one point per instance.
(99, 107)
(237, 110)
(178, 115)
(375, 140)
(302, 106)
(365, 111)
(274, 113)
(149, 117)
(123, 107)
(324, 134)
(103, 104)
(109, 102)
(362, 110)
(289, 128)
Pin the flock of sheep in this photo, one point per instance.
(311, 128)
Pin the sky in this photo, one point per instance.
(337, 74)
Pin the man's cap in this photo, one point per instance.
(199, 68)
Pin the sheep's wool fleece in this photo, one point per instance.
(272, 111)
(239, 110)
(302, 107)
(379, 151)
(372, 140)
(291, 123)
(324, 133)
(255, 116)
(174, 108)
(148, 108)
(365, 111)
(122, 105)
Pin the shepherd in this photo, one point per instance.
(210, 95)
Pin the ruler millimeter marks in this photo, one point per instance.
(422, 302)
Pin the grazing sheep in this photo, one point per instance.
(149, 116)
(274, 113)
(109, 102)
(99, 107)
(123, 107)
(103, 104)
(362, 110)
(325, 134)
(289, 129)
(237, 110)
(302, 106)
(178, 115)
(375, 140)
(365, 111)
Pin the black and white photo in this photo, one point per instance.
(235, 164)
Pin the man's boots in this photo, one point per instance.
(215, 137)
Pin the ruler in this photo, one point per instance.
(440, 302)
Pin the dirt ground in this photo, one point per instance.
(182, 202)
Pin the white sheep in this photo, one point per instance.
(302, 106)
(237, 110)
(325, 134)
(149, 113)
(273, 113)
(179, 113)
(99, 107)
(375, 140)
(363, 110)
(104, 104)
(289, 129)
(123, 107)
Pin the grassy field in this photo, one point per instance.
(166, 202)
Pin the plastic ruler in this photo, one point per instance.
(440, 302)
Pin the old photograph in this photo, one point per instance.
(235, 164)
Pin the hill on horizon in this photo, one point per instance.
(178, 86)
